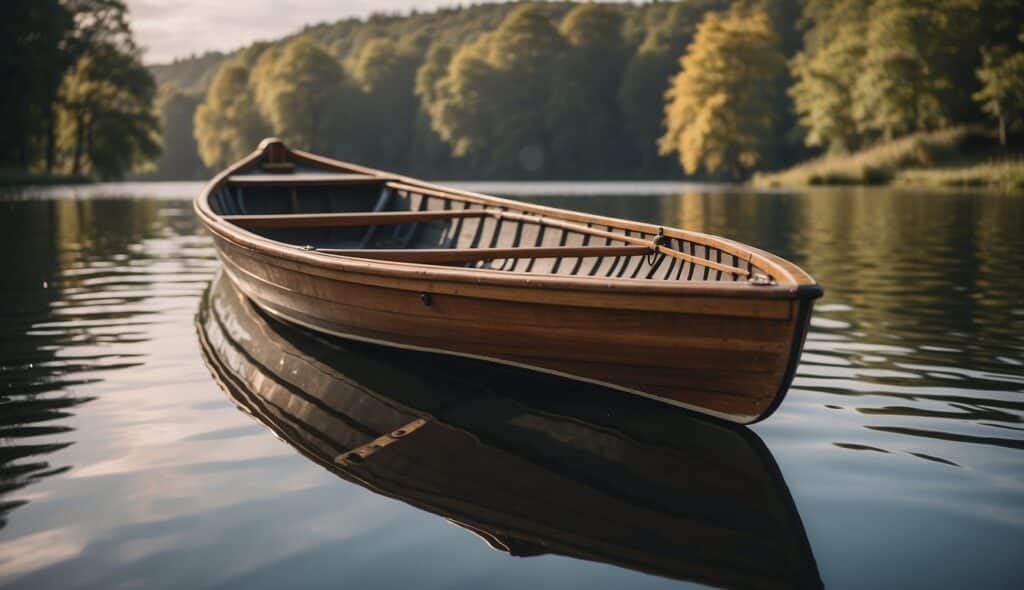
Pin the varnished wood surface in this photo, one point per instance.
(449, 255)
(544, 465)
(344, 219)
(324, 179)
(694, 333)
(686, 359)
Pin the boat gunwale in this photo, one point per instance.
(790, 280)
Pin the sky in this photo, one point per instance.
(169, 29)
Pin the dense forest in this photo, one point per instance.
(77, 100)
(702, 88)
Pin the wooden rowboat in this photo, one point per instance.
(690, 319)
(528, 462)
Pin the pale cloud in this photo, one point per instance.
(172, 29)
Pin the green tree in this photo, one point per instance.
(826, 71)
(428, 152)
(462, 108)
(106, 113)
(180, 155)
(303, 93)
(386, 73)
(430, 72)
(1002, 88)
(32, 63)
(491, 103)
(227, 124)
(720, 110)
(907, 82)
(668, 31)
(583, 113)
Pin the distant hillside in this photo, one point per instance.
(190, 74)
(449, 26)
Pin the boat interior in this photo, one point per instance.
(352, 213)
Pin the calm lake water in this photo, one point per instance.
(900, 447)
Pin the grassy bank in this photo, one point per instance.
(954, 157)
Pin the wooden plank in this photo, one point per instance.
(302, 179)
(433, 329)
(278, 166)
(449, 255)
(346, 219)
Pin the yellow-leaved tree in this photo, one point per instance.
(720, 107)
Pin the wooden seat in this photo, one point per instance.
(303, 179)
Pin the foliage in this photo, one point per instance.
(386, 73)
(890, 161)
(582, 113)
(31, 34)
(77, 99)
(826, 71)
(1002, 87)
(575, 90)
(491, 102)
(669, 29)
(1005, 173)
(302, 92)
(106, 123)
(191, 74)
(904, 84)
(718, 114)
(227, 124)
(180, 157)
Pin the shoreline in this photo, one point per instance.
(961, 157)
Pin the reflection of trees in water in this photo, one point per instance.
(932, 268)
(63, 307)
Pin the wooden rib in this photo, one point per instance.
(703, 261)
(742, 252)
(449, 255)
(302, 179)
(346, 219)
(623, 238)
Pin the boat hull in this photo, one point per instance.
(731, 357)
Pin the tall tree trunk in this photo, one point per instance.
(76, 162)
(1002, 131)
(51, 140)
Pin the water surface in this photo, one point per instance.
(123, 463)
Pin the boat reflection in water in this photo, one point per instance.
(531, 463)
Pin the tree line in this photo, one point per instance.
(77, 99)
(539, 90)
(706, 88)
(702, 88)
(756, 91)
